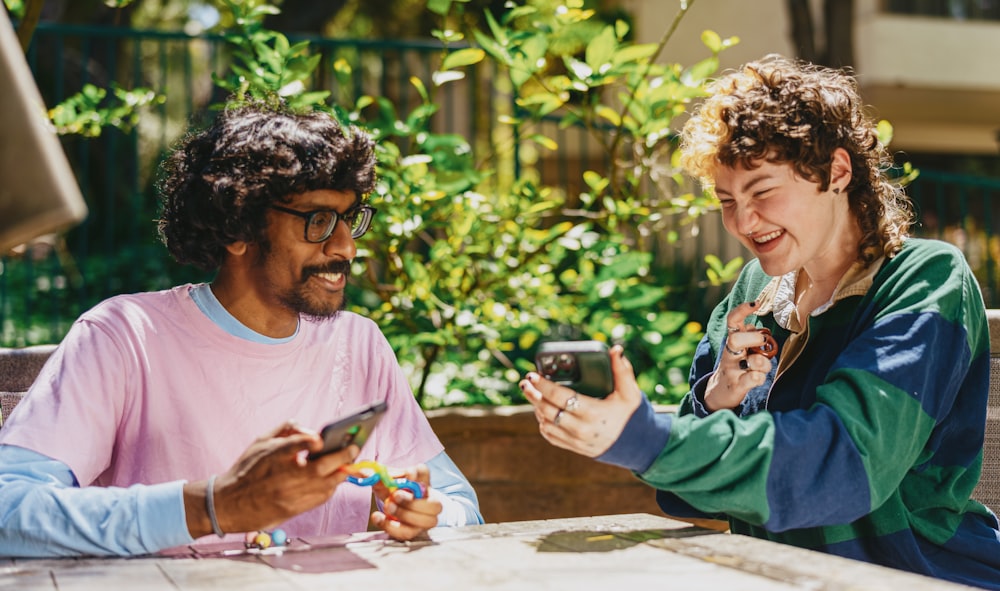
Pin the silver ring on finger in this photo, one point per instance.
(557, 418)
(731, 330)
(731, 352)
(572, 404)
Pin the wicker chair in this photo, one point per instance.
(988, 490)
(18, 368)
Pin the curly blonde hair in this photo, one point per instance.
(782, 110)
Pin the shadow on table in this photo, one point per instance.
(317, 554)
(607, 541)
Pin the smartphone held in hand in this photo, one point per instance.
(353, 429)
(583, 366)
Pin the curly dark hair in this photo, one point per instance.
(217, 184)
(788, 111)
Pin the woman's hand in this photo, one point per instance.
(739, 370)
(585, 425)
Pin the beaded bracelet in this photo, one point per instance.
(262, 539)
(210, 506)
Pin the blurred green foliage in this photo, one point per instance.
(471, 267)
(467, 280)
(92, 109)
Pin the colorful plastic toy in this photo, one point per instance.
(770, 347)
(368, 473)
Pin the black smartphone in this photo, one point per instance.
(351, 429)
(581, 365)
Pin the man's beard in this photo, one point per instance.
(297, 299)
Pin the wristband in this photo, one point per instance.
(210, 505)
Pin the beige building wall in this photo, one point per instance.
(937, 80)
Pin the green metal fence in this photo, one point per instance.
(46, 285)
(965, 211)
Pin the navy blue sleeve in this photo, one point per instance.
(641, 441)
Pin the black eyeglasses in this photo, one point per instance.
(321, 222)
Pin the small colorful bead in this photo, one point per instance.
(279, 537)
(262, 540)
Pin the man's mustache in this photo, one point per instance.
(334, 267)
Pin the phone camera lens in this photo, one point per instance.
(549, 366)
(566, 362)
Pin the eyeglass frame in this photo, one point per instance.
(348, 216)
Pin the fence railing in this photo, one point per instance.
(46, 285)
(965, 211)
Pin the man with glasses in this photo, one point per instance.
(164, 417)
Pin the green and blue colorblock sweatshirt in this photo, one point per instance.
(866, 440)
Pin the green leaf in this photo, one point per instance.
(499, 33)
(698, 73)
(581, 70)
(316, 97)
(544, 141)
(342, 70)
(439, 6)
(447, 35)
(601, 49)
(733, 267)
(669, 322)
(463, 57)
(517, 12)
(640, 297)
(440, 78)
(595, 181)
(609, 114)
(259, 11)
(419, 85)
(544, 102)
(621, 29)
(519, 76)
(534, 49)
(712, 41)
(421, 114)
(493, 48)
(884, 131)
(626, 265)
(634, 53)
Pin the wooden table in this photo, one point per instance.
(617, 552)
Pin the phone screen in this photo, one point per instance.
(353, 429)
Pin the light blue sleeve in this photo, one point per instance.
(45, 513)
(460, 504)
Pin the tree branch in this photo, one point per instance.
(803, 33)
(26, 28)
(839, 19)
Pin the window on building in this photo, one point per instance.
(953, 9)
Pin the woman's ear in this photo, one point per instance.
(841, 171)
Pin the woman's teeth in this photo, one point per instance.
(767, 237)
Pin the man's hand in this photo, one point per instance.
(270, 483)
(406, 517)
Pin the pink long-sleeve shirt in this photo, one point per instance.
(146, 389)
